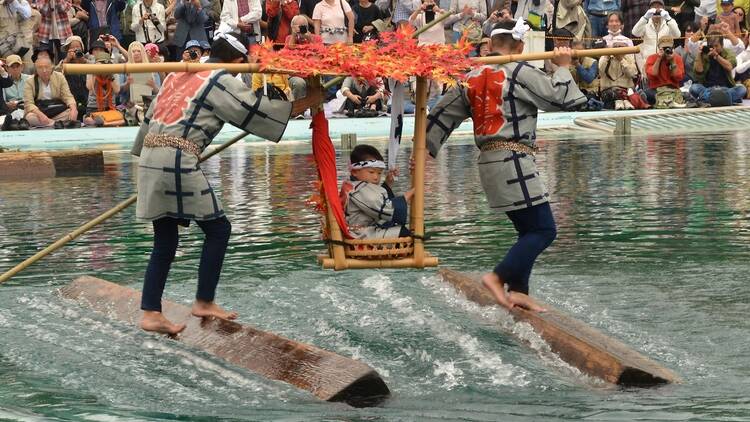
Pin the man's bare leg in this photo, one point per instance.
(525, 301)
(157, 322)
(202, 308)
(495, 285)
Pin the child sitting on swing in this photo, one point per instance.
(372, 210)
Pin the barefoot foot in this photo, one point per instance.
(525, 301)
(158, 323)
(492, 282)
(201, 309)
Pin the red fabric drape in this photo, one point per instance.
(325, 157)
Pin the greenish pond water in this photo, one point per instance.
(653, 248)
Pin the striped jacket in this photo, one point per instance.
(58, 8)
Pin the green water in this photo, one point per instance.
(653, 249)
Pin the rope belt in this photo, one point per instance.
(162, 140)
(332, 30)
(508, 146)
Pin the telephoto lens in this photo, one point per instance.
(705, 49)
(667, 50)
(303, 29)
(193, 54)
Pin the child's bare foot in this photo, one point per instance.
(158, 323)
(526, 302)
(492, 282)
(201, 309)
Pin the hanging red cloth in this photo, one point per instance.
(325, 157)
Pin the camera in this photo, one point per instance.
(79, 53)
(667, 50)
(303, 29)
(154, 20)
(193, 55)
(705, 50)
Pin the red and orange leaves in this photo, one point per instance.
(397, 55)
(485, 94)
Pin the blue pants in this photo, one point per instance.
(166, 238)
(598, 25)
(536, 231)
(703, 93)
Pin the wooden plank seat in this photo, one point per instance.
(576, 343)
(326, 375)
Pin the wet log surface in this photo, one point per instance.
(576, 343)
(325, 374)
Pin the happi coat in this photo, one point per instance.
(373, 211)
(195, 106)
(503, 102)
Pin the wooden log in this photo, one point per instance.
(78, 161)
(326, 375)
(575, 342)
(24, 165)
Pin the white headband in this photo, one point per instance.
(519, 31)
(375, 164)
(224, 32)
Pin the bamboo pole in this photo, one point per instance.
(418, 154)
(96, 221)
(596, 52)
(105, 69)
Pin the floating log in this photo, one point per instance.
(22, 165)
(326, 375)
(575, 342)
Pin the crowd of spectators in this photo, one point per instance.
(693, 52)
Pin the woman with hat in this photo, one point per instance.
(183, 119)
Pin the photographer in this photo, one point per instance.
(106, 14)
(713, 68)
(654, 25)
(193, 52)
(665, 71)
(191, 15)
(74, 53)
(502, 14)
(300, 35)
(424, 15)
(149, 22)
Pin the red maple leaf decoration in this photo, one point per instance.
(486, 96)
(175, 95)
(396, 55)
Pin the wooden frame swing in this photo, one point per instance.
(400, 252)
